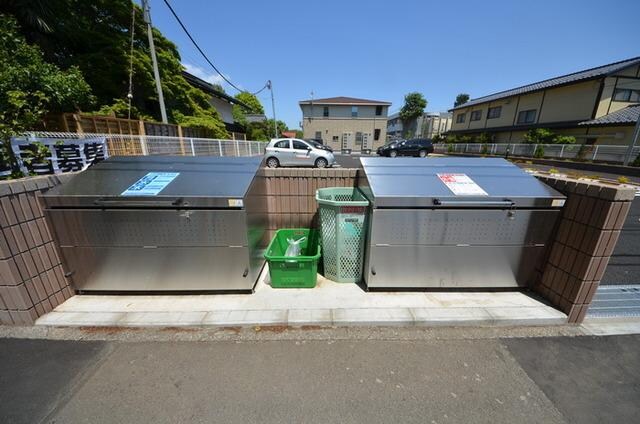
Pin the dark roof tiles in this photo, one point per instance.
(552, 82)
(628, 115)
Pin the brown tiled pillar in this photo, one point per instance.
(32, 282)
(583, 242)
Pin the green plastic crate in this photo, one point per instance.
(343, 215)
(293, 272)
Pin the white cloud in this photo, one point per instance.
(210, 77)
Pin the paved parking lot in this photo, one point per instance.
(527, 380)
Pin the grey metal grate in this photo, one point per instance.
(616, 301)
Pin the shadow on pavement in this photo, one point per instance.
(35, 375)
(589, 379)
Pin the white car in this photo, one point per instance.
(296, 152)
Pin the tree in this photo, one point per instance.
(299, 134)
(461, 99)
(264, 131)
(252, 101)
(240, 112)
(30, 87)
(94, 36)
(414, 104)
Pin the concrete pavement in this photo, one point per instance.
(426, 380)
(329, 303)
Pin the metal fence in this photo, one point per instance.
(136, 145)
(67, 152)
(596, 152)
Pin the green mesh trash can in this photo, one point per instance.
(343, 214)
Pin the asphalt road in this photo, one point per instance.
(532, 380)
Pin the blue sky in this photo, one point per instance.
(384, 49)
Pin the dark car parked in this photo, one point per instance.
(415, 147)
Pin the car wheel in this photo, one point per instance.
(393, 154)
(273, 163)
(422, 153)
(321, 163)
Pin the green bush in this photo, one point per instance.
(539, 136)
(485, 138)
(484, 149)
(539, 152)
(636, 162)
(564, 139)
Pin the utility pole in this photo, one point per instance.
(273, 107)
(634, 141)
(147, 19)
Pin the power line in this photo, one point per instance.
(262, 89)
(184, 28)
(133, 27)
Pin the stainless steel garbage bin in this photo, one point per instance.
(454, 222)
(161, 224)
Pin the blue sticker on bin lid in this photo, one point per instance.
(151, 184)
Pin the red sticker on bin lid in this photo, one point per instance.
(462, 185)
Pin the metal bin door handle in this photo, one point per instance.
(140, 203)
(479, 203)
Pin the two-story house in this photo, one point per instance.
(222, 102)
(599, 105)
(346, 123)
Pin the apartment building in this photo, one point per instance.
(428, 125)
(599, 105)
(346, 123)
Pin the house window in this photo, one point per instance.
(325, 111)
(358, 139)
(376, 134)
(378, 111)
(527, 116)
(494, 112)
(476, 115)
(335, 139)
(460, 118)
(626, 95)
(318, 135)
(354, 111)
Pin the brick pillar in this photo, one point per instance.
(32, 282)
(583, 242)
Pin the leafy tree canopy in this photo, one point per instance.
(29, 86)
(414, 104)
(94, 36)
(264, 131)
(252, 101)
(461, 99)
(240, 113)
